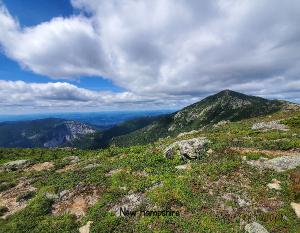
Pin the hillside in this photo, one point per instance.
(244, 177)
(45, 133)
(224, 106)
(102, 139)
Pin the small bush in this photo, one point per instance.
(6, 185)
(3, 210)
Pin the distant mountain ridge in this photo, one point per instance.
(225, 105)
(45, 133)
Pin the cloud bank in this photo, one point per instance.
(63, 96)
(177, 49)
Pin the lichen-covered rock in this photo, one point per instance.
(255, 228)
(296, 208)
(85, 228)
(72, 159)
(271, 125)
(51, 196)
(129, 203)
(188, 149)
(184, 167)
(274, 185)
(279, 164)
(15, 165)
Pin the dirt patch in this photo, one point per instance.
(69, 167)
(9, 198)
(270, 204)
(76, 201)
(40, 166)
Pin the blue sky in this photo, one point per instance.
(33, 12)
(95, 55)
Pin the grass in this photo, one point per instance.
(198, 193)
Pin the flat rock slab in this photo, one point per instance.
(184, 167)
(279, 164)
(86, 228)
(271, 125)
(271, 153)
(255, 228)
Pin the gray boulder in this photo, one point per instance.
(15, 165)
(255, 228)
(194, 148)
(129, 203)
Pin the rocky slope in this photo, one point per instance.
(45, 133)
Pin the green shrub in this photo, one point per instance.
(3, 210)
(6, 185)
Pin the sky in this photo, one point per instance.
(96, 55)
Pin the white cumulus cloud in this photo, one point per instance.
(182, 49)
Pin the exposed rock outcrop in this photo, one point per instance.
(271, 125)
(15, 165)
(85, 228)
(76, 201)
(129, 203)
(296, 208)
(255, 228)
(279, 164)
(184, 167)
